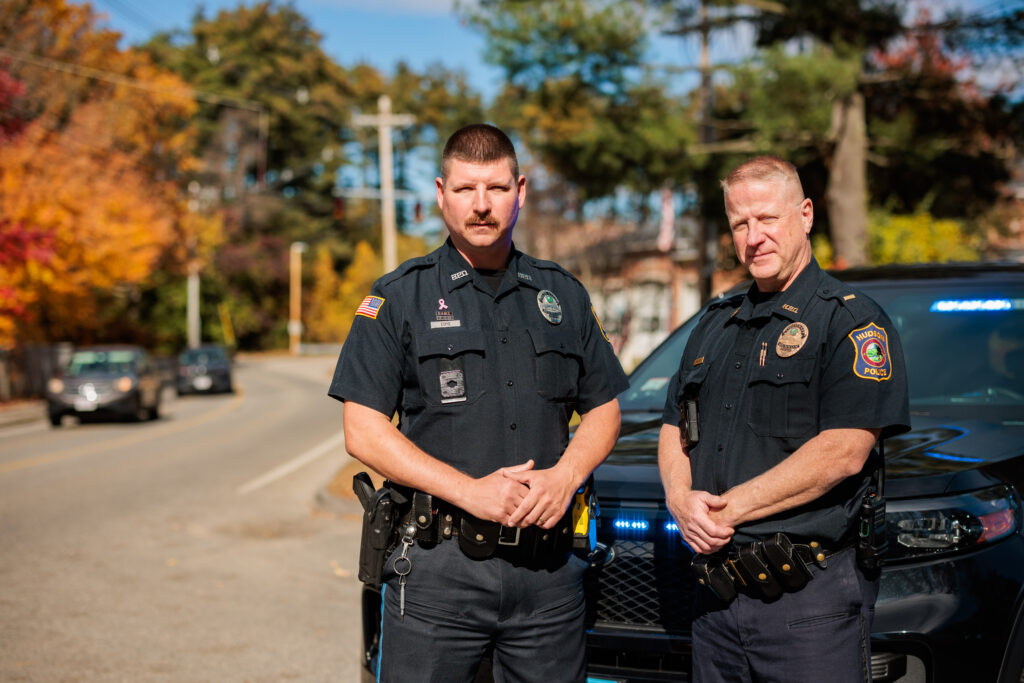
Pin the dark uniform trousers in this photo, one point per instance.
(455, 607)
(819, 633)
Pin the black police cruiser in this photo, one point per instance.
(951, 605)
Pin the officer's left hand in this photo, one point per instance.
(550, 493)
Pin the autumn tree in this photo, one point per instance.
(89, 175)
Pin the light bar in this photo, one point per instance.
(974, 305)
(632, 524)
(671, 526)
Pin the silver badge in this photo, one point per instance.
(547, 302)
(453, 386)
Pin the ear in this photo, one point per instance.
(807, 214)
(521, 190)
(440, 193)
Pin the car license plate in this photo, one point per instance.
(202, 383)
(84, 405)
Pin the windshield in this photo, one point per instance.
(101, 363)
(963, 344)
(212, 356)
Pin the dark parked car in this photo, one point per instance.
(105, 381)
(951, 606)
(205, 369)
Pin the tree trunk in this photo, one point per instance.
(846, 194)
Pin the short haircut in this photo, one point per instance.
(478, 143)
(765, 168)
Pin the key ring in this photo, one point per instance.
(407, 566)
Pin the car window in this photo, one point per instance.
(963, 345)
(101, 363)
(649, 382)
(203, 356)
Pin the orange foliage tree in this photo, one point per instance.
(90, 175)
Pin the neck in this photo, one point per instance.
(494, 257)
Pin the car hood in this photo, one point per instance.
(937, 456)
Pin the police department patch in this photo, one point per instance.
(791, 340)
(370, 307)
(871, 361)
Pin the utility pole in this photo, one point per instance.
(707, 241)
(192, 322)
(384, 121)
(295, 298)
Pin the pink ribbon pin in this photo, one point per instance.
(441, 305)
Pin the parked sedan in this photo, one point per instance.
(105, 381)
(951, 606)
(204, 369)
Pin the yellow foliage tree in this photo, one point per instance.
(919, 238)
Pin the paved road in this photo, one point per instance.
(188, 549)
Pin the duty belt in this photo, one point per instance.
(763, 569)
(436, 521)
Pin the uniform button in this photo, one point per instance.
(450, 347)
(720, 447)
(504, 340)
(512, 426)
(509, 383)
(738, 366)
(728, 406)
(779, 375)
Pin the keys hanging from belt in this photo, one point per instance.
(403, 565)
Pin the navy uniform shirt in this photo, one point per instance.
(769, 376)
(480, 380)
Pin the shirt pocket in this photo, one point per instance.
(558, 362)
(450, 366)
(783, 396)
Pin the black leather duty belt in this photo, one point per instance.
(763, 569)
(433, 521)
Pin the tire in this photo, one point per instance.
(55, 420)
(154, 412)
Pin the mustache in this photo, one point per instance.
(482, 221)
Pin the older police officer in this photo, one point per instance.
(484, 353)
(782, 394)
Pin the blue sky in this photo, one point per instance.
(381, 32)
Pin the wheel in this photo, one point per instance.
(154, 412)
(55, 420)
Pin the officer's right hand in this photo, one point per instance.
(495, 496)
(692, 512)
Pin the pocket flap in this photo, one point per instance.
(451, 342)
(781, 371)
(563, 341)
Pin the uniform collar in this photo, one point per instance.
(789, 303)
(456, 271)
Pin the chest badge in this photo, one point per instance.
(791, 340)
(549, 307)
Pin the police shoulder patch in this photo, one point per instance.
(871, 353)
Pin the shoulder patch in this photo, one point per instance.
(599, 325)
(871, 353)
(370, 307)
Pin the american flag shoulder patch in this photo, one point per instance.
(370, 307)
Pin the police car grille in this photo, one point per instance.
(646, 584)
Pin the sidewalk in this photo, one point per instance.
(21, 411)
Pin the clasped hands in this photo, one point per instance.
(520, 496)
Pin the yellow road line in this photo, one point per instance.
(129, 440)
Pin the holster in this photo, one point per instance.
(584, 519)
(380, 518)
(756, 572)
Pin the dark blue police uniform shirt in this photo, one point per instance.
(770, 376)
(480, 380)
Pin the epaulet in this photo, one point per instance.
(856, 302)
(418, 263)
(733, 301)
(548, 265)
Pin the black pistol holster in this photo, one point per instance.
(380, 520)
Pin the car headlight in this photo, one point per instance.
(55, 386)
(124, 384)
(924, 527)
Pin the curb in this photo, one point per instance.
(22, 412)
